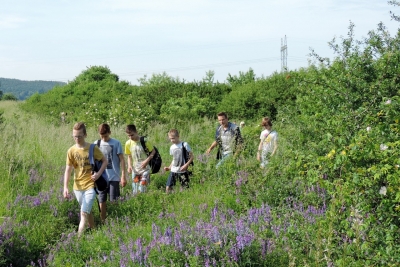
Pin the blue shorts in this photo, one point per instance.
(112, 190)
(85, 199)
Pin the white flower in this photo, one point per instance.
(368, 129)
(383, 147)
(388, 102)
(383, 190)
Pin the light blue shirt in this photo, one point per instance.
(111, 150)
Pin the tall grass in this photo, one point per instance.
(239, 215)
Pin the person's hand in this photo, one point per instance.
(129, 169)
(123, 181)
(258, 156)
(208, 151)
(66, 193)
(95, 176)
(183, 168)
(167, 168)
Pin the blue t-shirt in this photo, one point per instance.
(111, 149)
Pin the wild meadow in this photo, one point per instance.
(329, 197)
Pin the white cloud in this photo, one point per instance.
(10, 21)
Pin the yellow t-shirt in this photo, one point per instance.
(138, 154)
(79, 159)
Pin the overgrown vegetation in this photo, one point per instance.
(330, 197)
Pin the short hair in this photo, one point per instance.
(80, 126)
(130, 128)
(222, 114)
(174, 132)
(242, 123)
(266, 121)
(104, 128)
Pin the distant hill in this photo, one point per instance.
(24, 89)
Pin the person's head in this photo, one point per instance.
(79, 132)
(223, 119)
(104, 131)
(173, 136)
(132, 132)
(241, 124)
(266, 123)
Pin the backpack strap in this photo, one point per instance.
(98, 142)
(143, 143)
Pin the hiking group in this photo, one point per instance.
(144, 159)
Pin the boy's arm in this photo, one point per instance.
(104, 163)
(67, 175)
(169, 167)
(147, 160)
(129, 163)
(122, 164)
(186, 165)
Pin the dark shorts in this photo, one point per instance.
(182, 177)
(112, 190)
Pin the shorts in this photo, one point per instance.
(85, 199)
(112, 190)
(182, 177)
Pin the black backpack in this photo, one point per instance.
(186, 154)
(156, 161)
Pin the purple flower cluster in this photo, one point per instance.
(224, 239)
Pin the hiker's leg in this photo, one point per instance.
(170, 182)
(102, 197)
(82, 223)
(144, 182)
(135, 183)
(87, 198)
(114, 190)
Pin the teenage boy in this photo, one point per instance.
(179, 165)
(138, 160)
(227, 137)
(78, 159)
(112, 150)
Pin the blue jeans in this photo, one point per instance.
(223, 159)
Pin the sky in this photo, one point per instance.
(56, 40)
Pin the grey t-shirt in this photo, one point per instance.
(111, 150)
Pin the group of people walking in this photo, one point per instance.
(109, 151)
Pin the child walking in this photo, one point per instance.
(179, 164)
(268, 142)
(78, 160)
(138, 161)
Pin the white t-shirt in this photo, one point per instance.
(177, 156)
(268, 140)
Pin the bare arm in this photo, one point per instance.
(186, 166)
(259, 150)
(104, 163)
(122, 166)
(213, 145)
(67, 175)
(129, 163)
(147, 160)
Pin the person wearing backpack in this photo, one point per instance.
(268, 142)
(228, 139)
(112, 150)
(78, 160)
(182, 157)
(138, 159)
